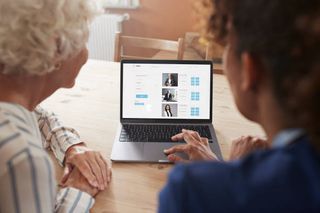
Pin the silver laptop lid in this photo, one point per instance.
(166, 91)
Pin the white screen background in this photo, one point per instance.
(144, 91)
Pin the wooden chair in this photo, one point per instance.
(200, 49)
(122, 41)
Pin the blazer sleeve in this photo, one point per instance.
(171, 198)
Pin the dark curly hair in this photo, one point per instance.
(285, 36)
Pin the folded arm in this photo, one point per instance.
(70, 151)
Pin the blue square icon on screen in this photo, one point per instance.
(195, 81)
(195, 111)
(195, 96)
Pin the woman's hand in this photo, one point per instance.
(246, 145)
(91, 165)
(196, 147)
(78, 181)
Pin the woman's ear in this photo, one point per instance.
(251, 72)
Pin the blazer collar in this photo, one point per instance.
(287, 136)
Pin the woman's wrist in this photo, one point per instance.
(77, 148)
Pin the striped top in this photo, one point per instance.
(27, 177)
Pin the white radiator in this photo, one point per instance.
(102, 35)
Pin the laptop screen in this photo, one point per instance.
(166, 90)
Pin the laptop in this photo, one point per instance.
(158, 99)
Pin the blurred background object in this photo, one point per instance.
(159, 19)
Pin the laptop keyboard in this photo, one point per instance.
(158, 133)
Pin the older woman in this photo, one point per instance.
(272, 63)
(42, 48)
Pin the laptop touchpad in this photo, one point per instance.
(154, 151)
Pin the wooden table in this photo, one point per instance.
(92, 107)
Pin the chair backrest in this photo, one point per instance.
(122, 41)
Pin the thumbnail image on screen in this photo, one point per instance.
(169, 95)
(169, 110)
(170, 79)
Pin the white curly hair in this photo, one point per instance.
(37, 34)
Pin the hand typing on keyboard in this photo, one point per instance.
(196, 147)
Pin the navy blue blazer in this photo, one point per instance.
(283, 179)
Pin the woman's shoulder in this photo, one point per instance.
(16, 140)
(286, 177)
(276, 162)
(290, 170)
